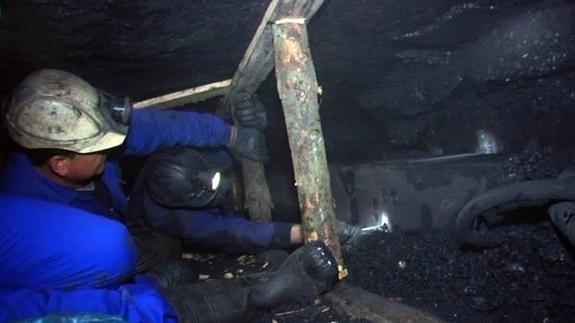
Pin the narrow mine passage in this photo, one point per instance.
(445, 129)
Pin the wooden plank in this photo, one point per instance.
(298, 91)
(188, 96)
(257, 63)
(361, 304)
(252, 71)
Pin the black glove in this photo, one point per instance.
(346, 231)
(251, 113)
(248, 143)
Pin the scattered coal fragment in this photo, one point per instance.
(528, 165)
(529, 278)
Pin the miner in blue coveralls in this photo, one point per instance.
(187, 193)
(69, 136)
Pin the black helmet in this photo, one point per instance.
(182, 177)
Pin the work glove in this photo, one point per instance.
(347, 232)
(251, 113)
(248, 143)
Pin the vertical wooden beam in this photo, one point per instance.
(298, 91)
(252, 71)
(257, 63)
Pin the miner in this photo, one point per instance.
(69, 137)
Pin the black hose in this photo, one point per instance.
(492, 205)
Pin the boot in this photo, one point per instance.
(273, 257)
(155, 248)
(174, 273)
(308, 272)
(214, 301)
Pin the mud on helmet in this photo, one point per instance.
(53, 109)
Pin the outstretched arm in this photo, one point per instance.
(213, 230)
(151, 130)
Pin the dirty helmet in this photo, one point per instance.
(54, 109)
(182, 177)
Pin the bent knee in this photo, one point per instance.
(45, 244)
(113, 252)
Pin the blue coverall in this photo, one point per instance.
(150, 130)
(54, 258)
(207, 228)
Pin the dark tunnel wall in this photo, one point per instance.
(401, 78)
(398, 76)
(426, 105)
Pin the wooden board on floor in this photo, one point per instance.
(359, 303)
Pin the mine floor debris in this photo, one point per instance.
(529, 278)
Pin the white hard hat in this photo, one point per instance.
(54, 109)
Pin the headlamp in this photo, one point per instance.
(216, 181)
(117, 109)
(205, 188)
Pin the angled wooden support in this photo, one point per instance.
(258, 61)
(188, 96)
(298, 91)
(254, 68)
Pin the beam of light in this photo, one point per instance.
(384, 224)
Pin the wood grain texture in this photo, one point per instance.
(361, 304)
(298, 91)
(254, 68)
(188, 96)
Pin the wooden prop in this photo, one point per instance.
(298, 91)
(254, 68)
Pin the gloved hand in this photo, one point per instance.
(346, 231)
(248, 143)
(251, 113)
